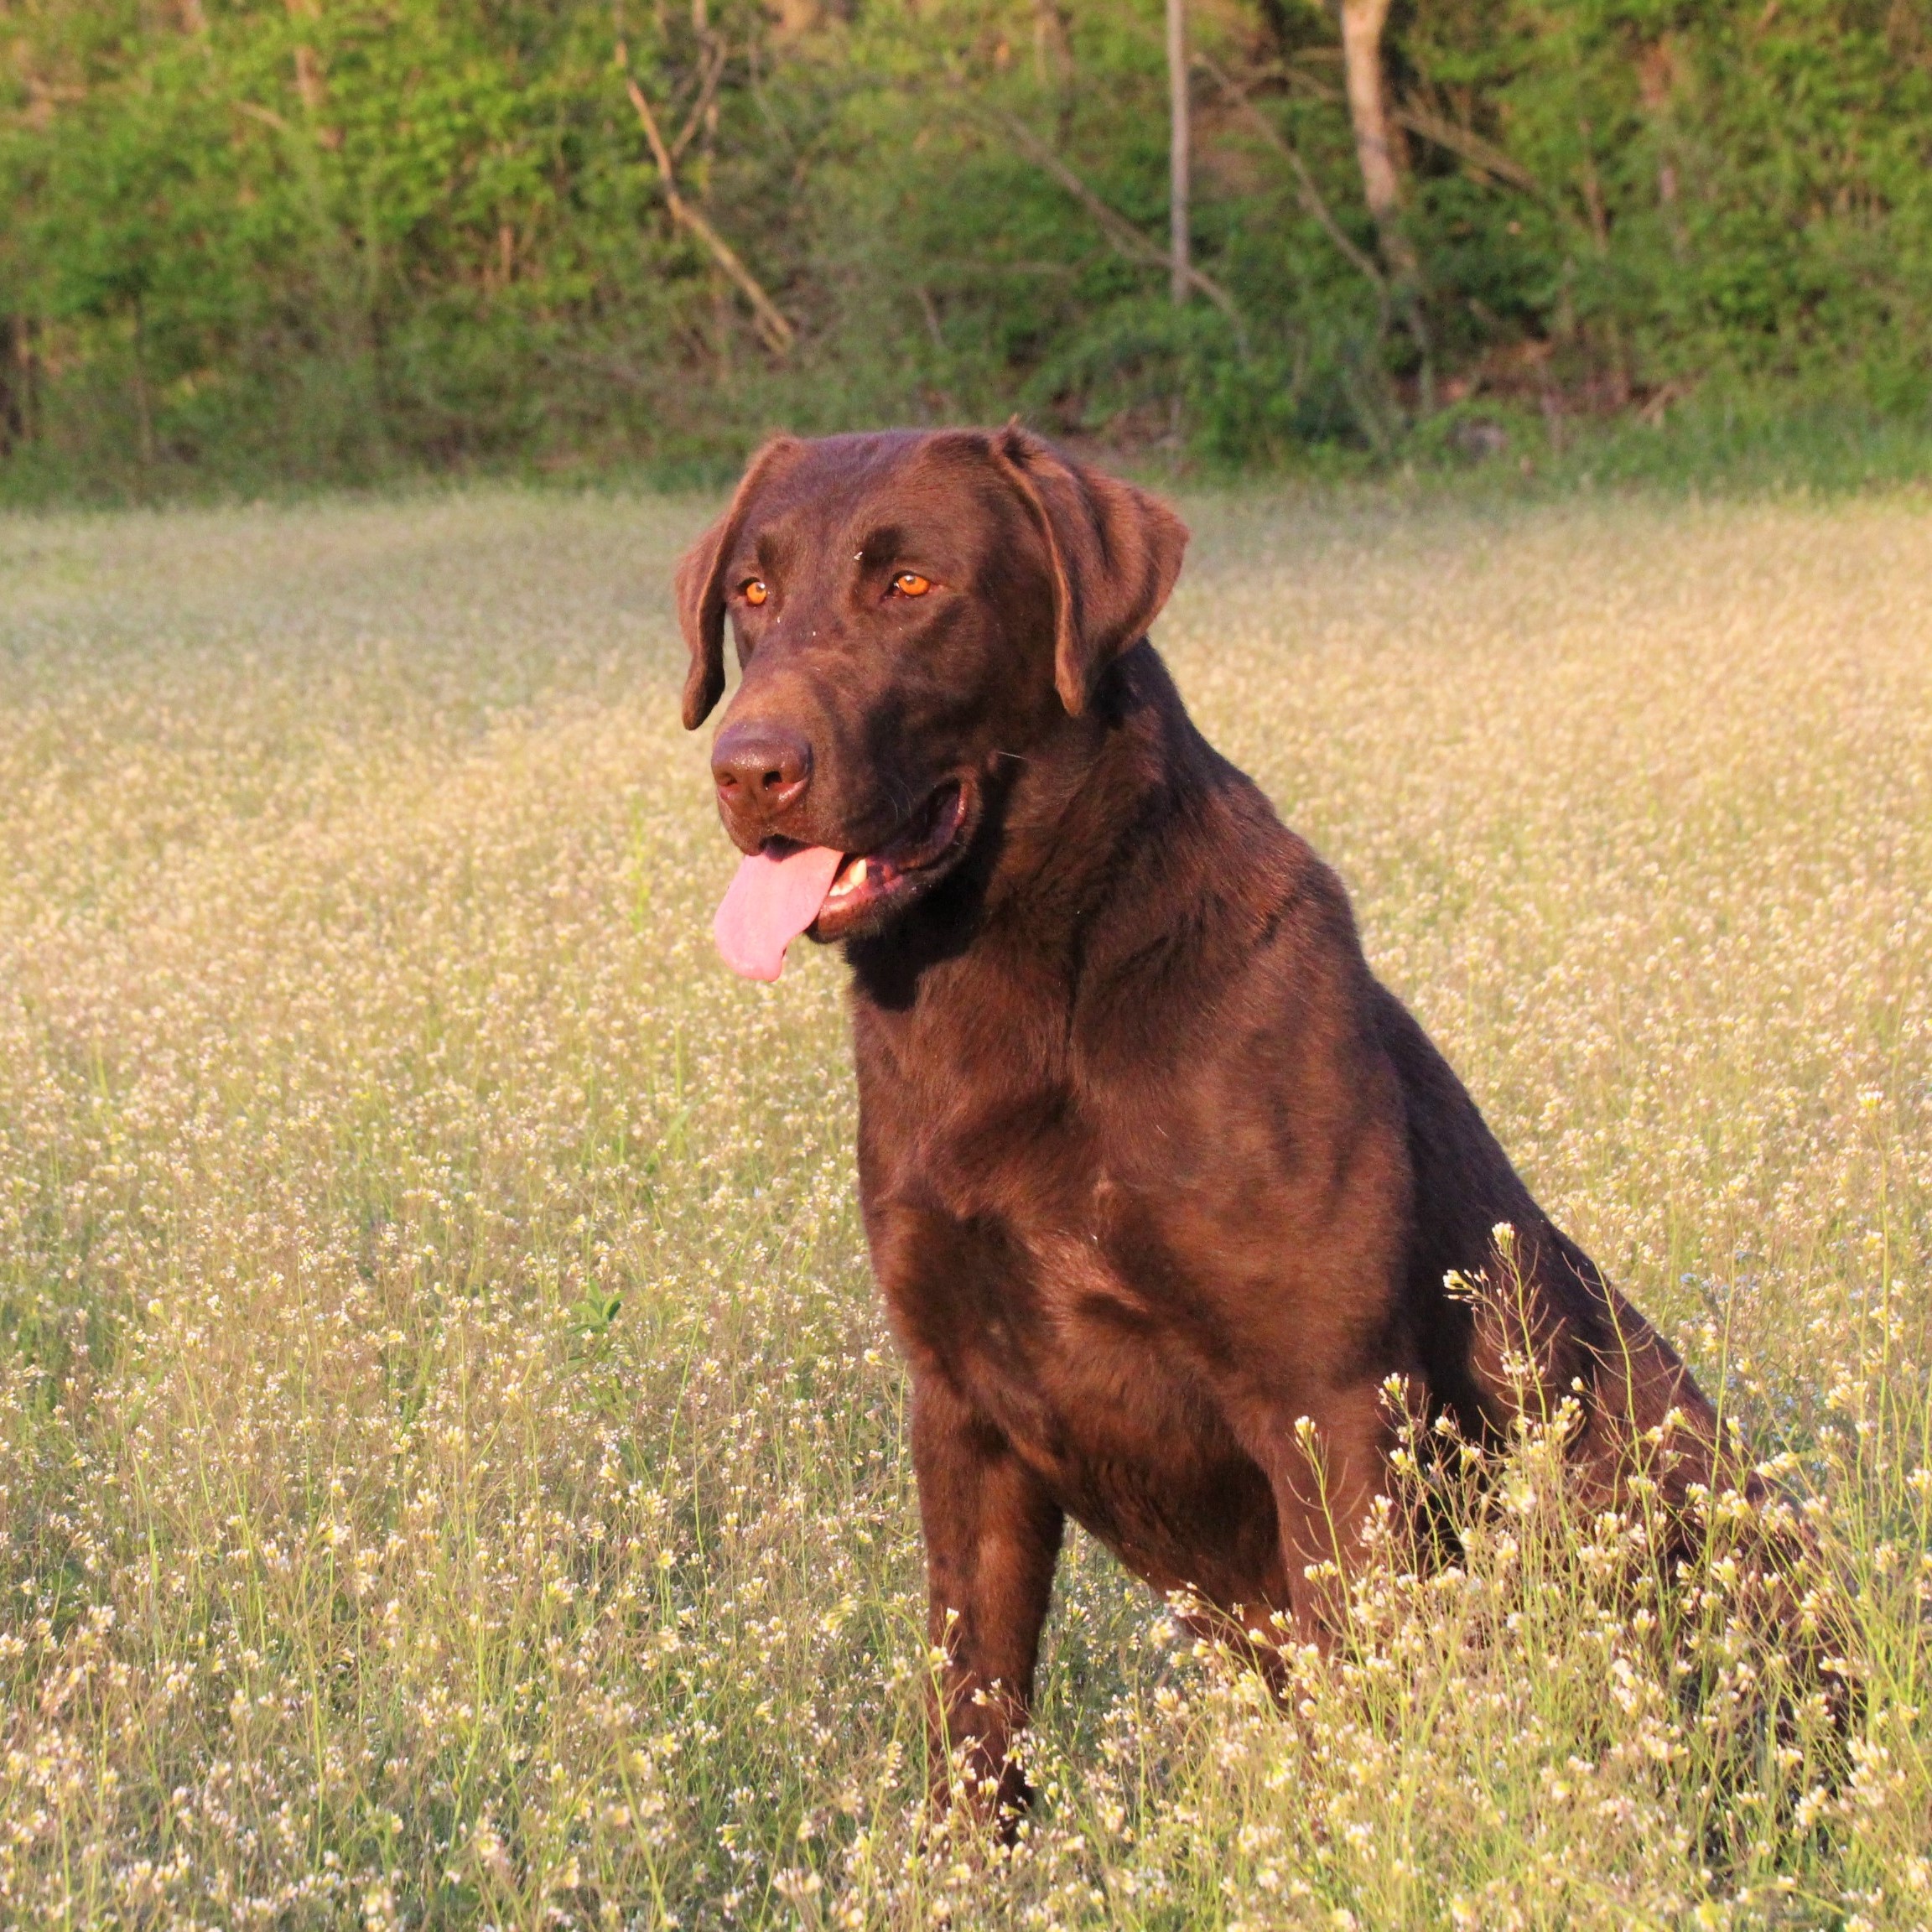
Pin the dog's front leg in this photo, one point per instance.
(1325, 1455)
(992, 1538)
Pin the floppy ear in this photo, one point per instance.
(700, 586)
(1115, 551)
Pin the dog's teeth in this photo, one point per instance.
(856, 877)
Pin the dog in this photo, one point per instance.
(1161, 1186)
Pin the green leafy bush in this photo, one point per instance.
(259, 241)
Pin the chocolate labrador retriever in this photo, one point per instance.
(1155, 1173)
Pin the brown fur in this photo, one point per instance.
(1151, 1166)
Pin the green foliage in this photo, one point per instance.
(259, 241)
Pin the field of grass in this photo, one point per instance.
(452, 1463)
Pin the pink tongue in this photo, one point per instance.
(771, 901)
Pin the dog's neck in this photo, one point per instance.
(1096, 797)
(1081, 830)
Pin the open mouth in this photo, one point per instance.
(868, 884)
(785, 888)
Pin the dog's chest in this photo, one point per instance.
(1020, 1265)
(1098, 1388)
(1028, 1234)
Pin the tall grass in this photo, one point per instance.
(452, 1465)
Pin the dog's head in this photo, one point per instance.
(906, 607)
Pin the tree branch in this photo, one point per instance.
(1126, 238)
(1485, 157)
(1311, 198)
(713, 72)
(1480, 154)
(778, 334)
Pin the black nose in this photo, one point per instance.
(760, 768)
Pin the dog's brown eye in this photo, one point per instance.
(755, 591)
(911, 584)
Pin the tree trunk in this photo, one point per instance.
(1362, 24)
(144, 406)
(309, 82)
(1052, 51)
(12, 384)
(1179, 142)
